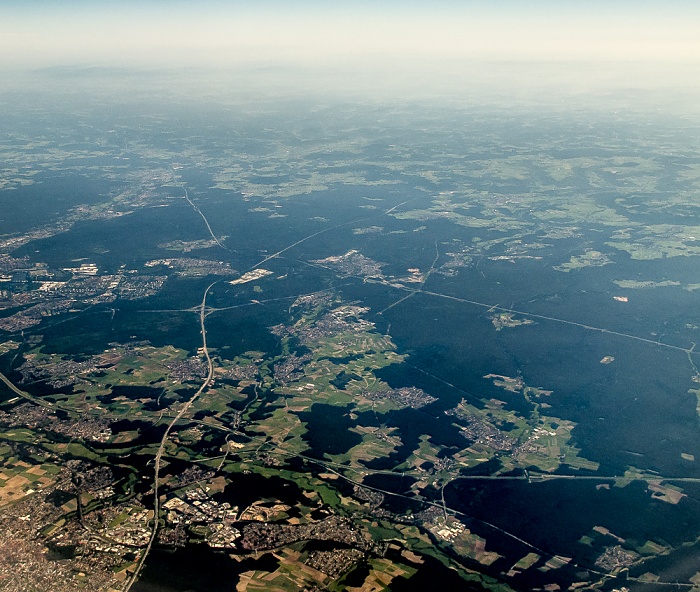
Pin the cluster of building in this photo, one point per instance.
(316, 299)
(479, 431)
(372, 497)
(336, 562)
(222, 536)
(172, 536)
(92, 289)
(135, 531)
(384, 434)
(57, 373)
(615, 558)
(339, 320)
(290, 369)
(408, 396)
(192, 474)
(196, 507)
(532, 446)
(265, 535)
(32, 542)
(97, 480)
(136, 286)
(189, 369)
(10, 266)
(32, 316)
(187, 266)
(193, 245)
(87, 427)
(446, 530)
(353, 263)
(251, 276)
(54, 291)
(455, 263)
(242, 372)
(444, 464)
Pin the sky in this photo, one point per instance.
(385, 48)
(213, 32)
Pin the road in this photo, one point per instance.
(23, 394)
(164, 440)
(196, 209)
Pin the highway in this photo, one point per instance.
(164, 440)
(23, 394)
(196, 209)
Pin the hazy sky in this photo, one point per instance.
(160, 32)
